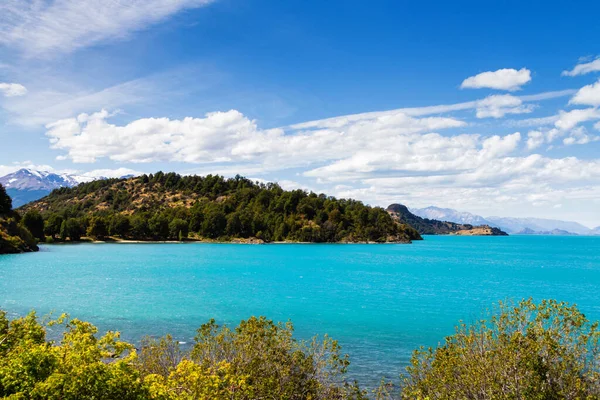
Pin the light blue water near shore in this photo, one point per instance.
(379, 301)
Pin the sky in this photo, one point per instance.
(487, 107)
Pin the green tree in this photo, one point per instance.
(159, 225)
(71, 228)
(52, 225)
(214, 223)
(528, 351)
(5, 201)
(178, 229)
(97, 228)
(120, 226)
(35, 223)
(139, 227)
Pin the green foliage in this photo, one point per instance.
(14, 235)
(532, 351)
(259, 359)
(35, 223)
(178, 229)
(120, 225)
(154, 206)
(72, 228)
(76, 368)
(52, 225)
(272, 363)
(5, 201)
(528, 351)
(97, 228)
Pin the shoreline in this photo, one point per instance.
(251, 241)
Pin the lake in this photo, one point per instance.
(379, 301)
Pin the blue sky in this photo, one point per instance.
(228, 87)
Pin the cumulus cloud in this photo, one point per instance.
(535, 139)
(580, 136)
(565, 123)
(12, 89)
(570, 119)
(503, 79)
(46, 27)
(497, 106)
(227, 137)
(588, 95)
(584, 68)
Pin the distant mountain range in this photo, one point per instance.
(525, 226)
(432, 226)
(27, 185)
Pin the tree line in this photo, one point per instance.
(172, 207)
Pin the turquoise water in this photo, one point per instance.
(379, 301)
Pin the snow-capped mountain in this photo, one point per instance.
(27, 185)
(448, 214)
(507, 224)
(28, 179)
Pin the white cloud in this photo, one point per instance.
(535, 139)
(580, 136)
(47, 27)
(584, 68)
(570, 119)
(12, 89)
(227, 137)
(497, 106)
(528, 122)
(588, 95)
(421, 111)
(503, 79)
(566, 123)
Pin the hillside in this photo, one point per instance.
(434, 227)
(14, 237)
(172, 207)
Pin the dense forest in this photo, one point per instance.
(546, 350)
(14, 235)
(172, 207)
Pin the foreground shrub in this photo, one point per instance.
(526, 351)
(259, 359)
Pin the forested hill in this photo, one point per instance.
(427, 226)
(172, 207)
